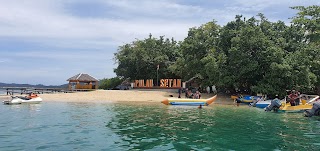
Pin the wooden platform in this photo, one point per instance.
(27, 90)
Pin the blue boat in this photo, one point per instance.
(247, 99)
(263, 104)
(189, 102)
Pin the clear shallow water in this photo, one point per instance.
(84, 126)
(2, 92)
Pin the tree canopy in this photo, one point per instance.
(253, 55)
(140, 59)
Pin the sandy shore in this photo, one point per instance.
(113, 96)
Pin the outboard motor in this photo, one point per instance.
(275, 105)
(314, 111)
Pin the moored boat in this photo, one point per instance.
(247, 99)
(189, 102)
(276, 105)
(21, 100)
(233, 97)
(298, 108)
(263, 104)
(314, 111)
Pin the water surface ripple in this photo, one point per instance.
(141, 126)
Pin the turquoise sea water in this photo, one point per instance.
(2, 92)
(142, 126)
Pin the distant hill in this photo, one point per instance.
(34, 86)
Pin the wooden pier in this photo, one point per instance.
(27, 90)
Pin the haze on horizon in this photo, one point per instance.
(47, 42)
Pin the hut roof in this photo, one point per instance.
(194, 78)
(126, 82)
(82, 77)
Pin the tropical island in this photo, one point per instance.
(247, 55)
(251, 55)
(162, 93)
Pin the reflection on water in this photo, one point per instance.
(94, 126)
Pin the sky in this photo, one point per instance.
(49, 41)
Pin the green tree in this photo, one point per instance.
(250, 46)
(194, 48)
(308, 19)
(109, 83)
(253, 55)
(139, 60)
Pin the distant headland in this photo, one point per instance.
(30, 85)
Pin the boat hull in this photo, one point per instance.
(247, 99)
(22, 100)
(299, 108)
(263, 104)
(189, 102)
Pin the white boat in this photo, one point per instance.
(263, 104)
(20, 100)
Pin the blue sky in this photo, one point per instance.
(48, 41)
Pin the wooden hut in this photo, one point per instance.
(193, 82)
(83, 81)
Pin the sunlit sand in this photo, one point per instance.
(115, 96)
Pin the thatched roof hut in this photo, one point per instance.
(83, 81)
(82, 77)
(194, 82)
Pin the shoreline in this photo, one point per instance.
(109, 96)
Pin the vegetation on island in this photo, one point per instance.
(247, 54)
(109, 83)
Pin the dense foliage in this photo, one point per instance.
(139, 60)
(253, 55)
(109, 83)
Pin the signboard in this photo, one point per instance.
(164, 83)
(170, 83)
(143, 83)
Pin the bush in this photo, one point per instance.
(109, 83)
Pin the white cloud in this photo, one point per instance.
(263, 5)
(72, 56)
(37, 20)
(162, 8)
(44, 19)
(62, 35)
(49, 19)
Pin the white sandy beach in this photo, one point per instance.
(100, 96)
(104, 96)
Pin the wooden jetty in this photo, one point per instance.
(28, 90)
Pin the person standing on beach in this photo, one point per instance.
(186, 93)
(214, 90)
(189, 94)
(238, 101)
(197, 95)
